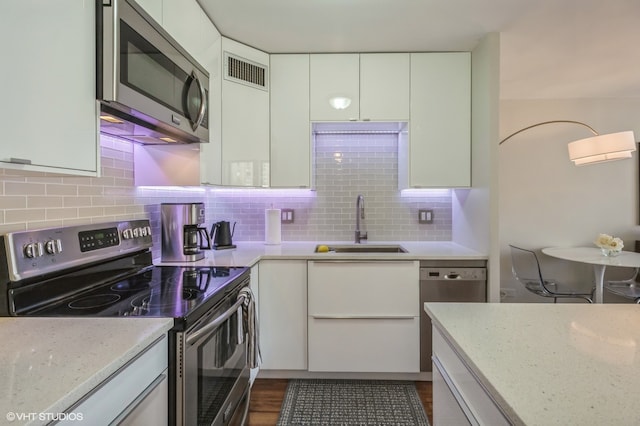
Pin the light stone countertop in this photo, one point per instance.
(551, 364)
(48, 364)
(248, 253)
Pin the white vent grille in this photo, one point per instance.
(243, 71)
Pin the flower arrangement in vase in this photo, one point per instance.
(610, 246)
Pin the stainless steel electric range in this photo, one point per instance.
(106, 270)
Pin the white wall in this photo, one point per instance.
(475, 210)
(547, 201)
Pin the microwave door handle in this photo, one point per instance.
(203, 103)
(207, 329)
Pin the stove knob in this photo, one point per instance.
(53, 246)
(127, 234)
(33, 250)
(136, 232)
(148, 228)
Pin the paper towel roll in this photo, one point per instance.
(272, 226)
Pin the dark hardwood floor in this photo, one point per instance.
(267, 395)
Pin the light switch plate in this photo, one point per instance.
(286, 216)
(425, 216)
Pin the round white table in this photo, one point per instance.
(594, 256)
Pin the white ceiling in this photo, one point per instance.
(549, 48)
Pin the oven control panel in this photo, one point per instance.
(98, 239)
(37, 252)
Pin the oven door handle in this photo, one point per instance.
(193, 338)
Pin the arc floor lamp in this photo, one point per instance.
(594, 149)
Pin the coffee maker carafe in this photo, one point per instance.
(184, 238)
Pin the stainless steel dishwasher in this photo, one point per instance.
(447, 281)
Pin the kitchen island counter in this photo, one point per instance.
(248, 253)
(549, 364)
(48, 364)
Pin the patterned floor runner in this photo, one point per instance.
(352, 402)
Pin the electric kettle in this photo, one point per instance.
(221, 234)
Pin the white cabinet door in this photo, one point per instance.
(366, 289)
(371, 345)
(364, 316)
(47, 82)
(211, 153)
(440, 128)
(245, 121)
(334, 77)
(457, 385)
(185, 21)
(283, 314)
(290, 126)
(129, 391)
(384, 86)
(151, 408)
(153, 8)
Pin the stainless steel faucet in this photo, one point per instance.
(360, 215)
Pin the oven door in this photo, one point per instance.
(215, 382)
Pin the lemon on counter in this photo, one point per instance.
(323, 249)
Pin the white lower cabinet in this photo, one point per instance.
(458, 397)
(282, 309)
(137, 394)
(364, 316)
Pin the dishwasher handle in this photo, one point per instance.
(453, 274)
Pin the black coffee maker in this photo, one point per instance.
(221, 234)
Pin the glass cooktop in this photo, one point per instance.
(158, 291)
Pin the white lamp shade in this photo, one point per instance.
(601, 148)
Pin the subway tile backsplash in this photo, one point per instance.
(346, 165)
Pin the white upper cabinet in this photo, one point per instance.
(211, 153)
(153, 8)
(48, 82)
(384, 86)
(245, 115)
(185, 21)
(335, 79)
(439, 149)
(368, 86)
(290, 127)
(187, 165)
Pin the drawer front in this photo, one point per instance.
(448, 412)
(364, 288)
(364, 345)
(113, 396)
(481, 409)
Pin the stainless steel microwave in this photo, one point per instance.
(150, 89)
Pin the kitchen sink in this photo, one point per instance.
(364, 248)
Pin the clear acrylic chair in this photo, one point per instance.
(526, 269)
(629, 288)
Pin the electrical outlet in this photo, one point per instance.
(286, 216)
(425, 216)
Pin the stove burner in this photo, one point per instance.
(94, 301)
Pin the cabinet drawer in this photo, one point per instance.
(364, 345)
(113, 395)
(376, 288)
(478, 405)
